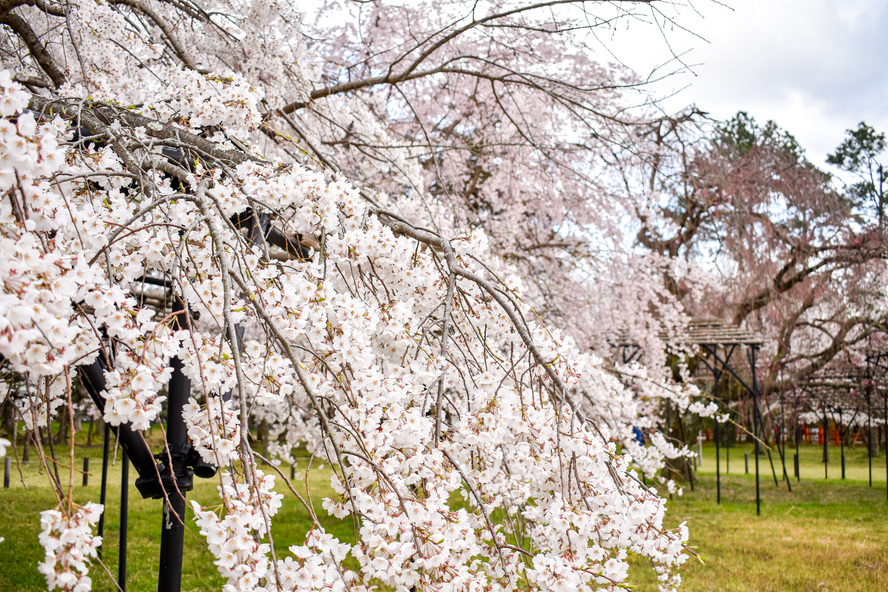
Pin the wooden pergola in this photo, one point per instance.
(861, 384)
(718, 341)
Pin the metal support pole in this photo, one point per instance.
(782, 452)
(103, 494)
(777, 443)
(718, 483)
(7, 469)
(797, 437)
(746, 461)
(768, 449)
(825, 446)
(85, 471)
(842, 445)
(716, 375)
(124, 514)
(869, 436)
(758, 496)
(93, 378)
(781, 444)
(773, 470)
(727, 449)
(172, 538)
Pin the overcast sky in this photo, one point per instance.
(816, 67)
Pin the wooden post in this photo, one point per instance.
(700, 448)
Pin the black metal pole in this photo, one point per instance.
(103, 494)
(841, 433)
(869, 435)
(758, 496)
(798, 436)
(773, 470)
(825, 445)
(93, 378)
(781, 450)
(728, 447)
(781, 443)
(761, 421)
(124, 514)
(715, 376)
(172, 538)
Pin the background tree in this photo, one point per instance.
(858, 155)
(788, 253)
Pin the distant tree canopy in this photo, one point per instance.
(858, 155)
(787, 251)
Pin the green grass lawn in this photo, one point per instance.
(811, 466)
(825, 535)
(21, 552)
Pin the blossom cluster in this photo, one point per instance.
(214, 429)
(233, 539)
(68, 542)
(39, 277)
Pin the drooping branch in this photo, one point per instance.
(428, 47)
(161, 24)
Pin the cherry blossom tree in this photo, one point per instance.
(369, 222)
(788, 253)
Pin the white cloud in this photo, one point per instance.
(816, 67)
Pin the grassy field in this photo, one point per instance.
(826, 535)
(22, 504)
(811, 465)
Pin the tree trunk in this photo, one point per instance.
(62, 433)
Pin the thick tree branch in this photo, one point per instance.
(74, 110)
(782, 283)
(43, 58)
